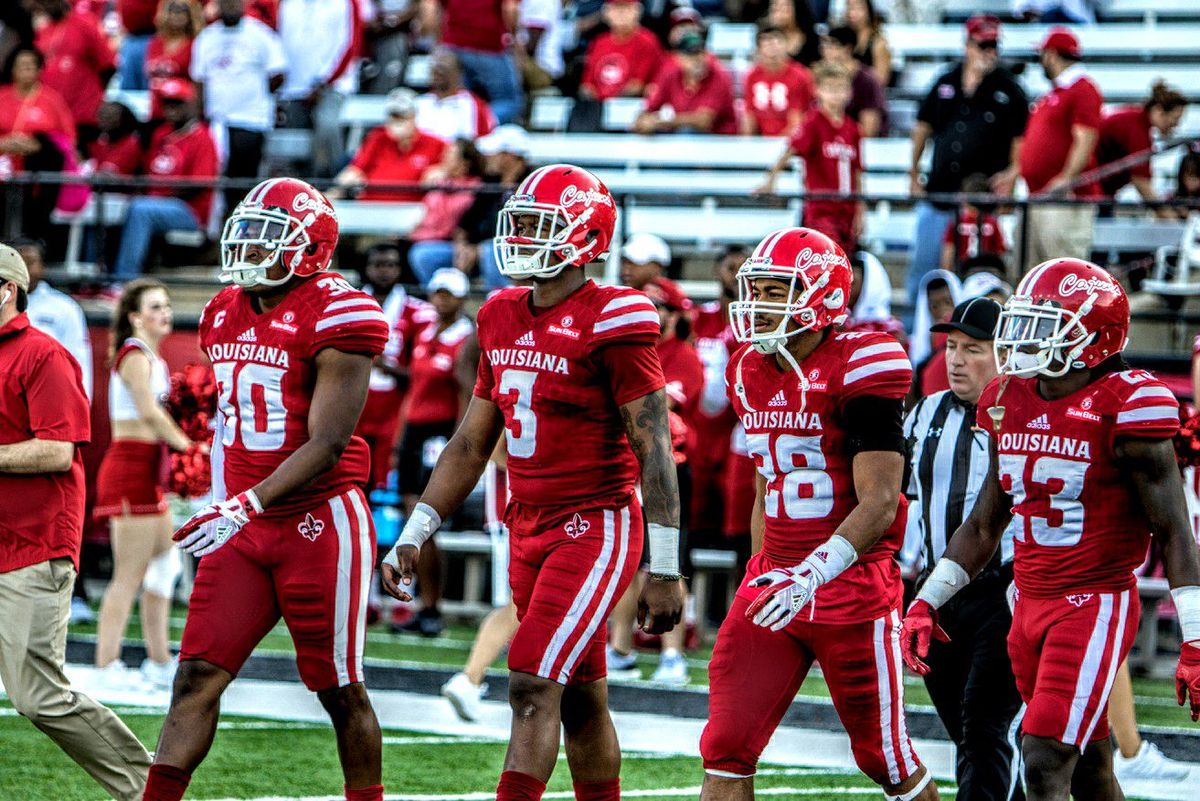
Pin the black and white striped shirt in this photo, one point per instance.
(948, 461)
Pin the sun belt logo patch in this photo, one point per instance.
(576, 527)
(310, 527)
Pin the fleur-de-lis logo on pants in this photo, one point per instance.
(310, 527)
(576, 527)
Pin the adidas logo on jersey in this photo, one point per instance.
(1041, 423)
(780, 399)
(526, 340)
(248, 336)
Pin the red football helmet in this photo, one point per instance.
(1065, 314)
(574, 218)
(817, 274)
(292, 221)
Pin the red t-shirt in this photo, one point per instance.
(1123, 133)
(162, 64)
(383, 162)
(714, 93)
(934, 376)
(1074, 100)
(123, 157)
(41, 112)
(434, 394)
(684, 373)
(186, 153)
(137, 16)
(42, 397)
(832, 162)
(972, 236)
(771, 96)
(611, 63)
(473, 24)
(76, 54)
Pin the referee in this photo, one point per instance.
(970, 680)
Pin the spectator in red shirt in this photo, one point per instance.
(182, 147)
(828, 142)
(138, 22)
(692, 93)
(975, 231)
(44, 419)
(868, 102)
(1060, 144)
(169, 54)
(622, 61)
(480, 33)
(79, 61)
(118, 150)
(1128, 131)
(396, 152)
(777, 90)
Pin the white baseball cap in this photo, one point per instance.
(505, 139)
(402, 102)
(643, 248)
(451, 280)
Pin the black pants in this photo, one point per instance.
(972, 687)
(245, 154)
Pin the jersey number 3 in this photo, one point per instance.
(251, 401)
(807, 490)
(521, 431)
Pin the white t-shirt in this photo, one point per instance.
(318, 38)
(235, 65)
(461, 115)
(545, 15)
(57, 314)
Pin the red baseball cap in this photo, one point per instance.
(1061, 40)
(983, 28)
(667, 293)
(179, 89)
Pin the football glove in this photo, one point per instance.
(215, 524)
(1187, 677)
(920, 625)
(787, 591)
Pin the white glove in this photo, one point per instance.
(787, 591)
(215, 524)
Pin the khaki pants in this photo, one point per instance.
(1059, 231)
(35, 605)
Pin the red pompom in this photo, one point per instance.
(192, 402)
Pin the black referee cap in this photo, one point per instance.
(977, 318)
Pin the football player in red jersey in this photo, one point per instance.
(568, 371)
(291, 346)
(823, 417)
(1082, 455)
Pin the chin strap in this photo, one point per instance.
(740, 388)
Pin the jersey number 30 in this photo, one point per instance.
(807, 490)
(251, 401)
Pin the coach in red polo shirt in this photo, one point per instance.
(1059, 145)
(182, 147)
(43, 421)
(692, 93)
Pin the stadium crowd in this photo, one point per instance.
(222, 75)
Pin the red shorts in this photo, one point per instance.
(755, 673)
(378, 424)
(739, 493)
(313, 568)
(1065, 653)
(568, 567)
(130, 480)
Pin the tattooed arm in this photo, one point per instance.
(660, 606)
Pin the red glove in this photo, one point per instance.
(1187, 677)
(919, 625)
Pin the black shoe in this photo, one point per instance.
(427, 625)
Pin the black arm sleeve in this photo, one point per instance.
(874, 424)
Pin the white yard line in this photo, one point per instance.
(669, 792)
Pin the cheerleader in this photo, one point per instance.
(129, 486)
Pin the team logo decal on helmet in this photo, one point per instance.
(1065, 314)
(281, 221)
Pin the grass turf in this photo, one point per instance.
(256, 758)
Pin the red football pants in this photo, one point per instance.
(1065, 653)
(755, 673)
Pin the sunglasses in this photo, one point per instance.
(985, 45)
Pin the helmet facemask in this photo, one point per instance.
(1040, 338)
(549, 250)
(282, 236)
(745, 311)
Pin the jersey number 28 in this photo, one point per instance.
(807, 490)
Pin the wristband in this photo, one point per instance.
(664, 549)
(420, 526)
(946, 578)
(830, 558)
(255, 503)
(1187, 608)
